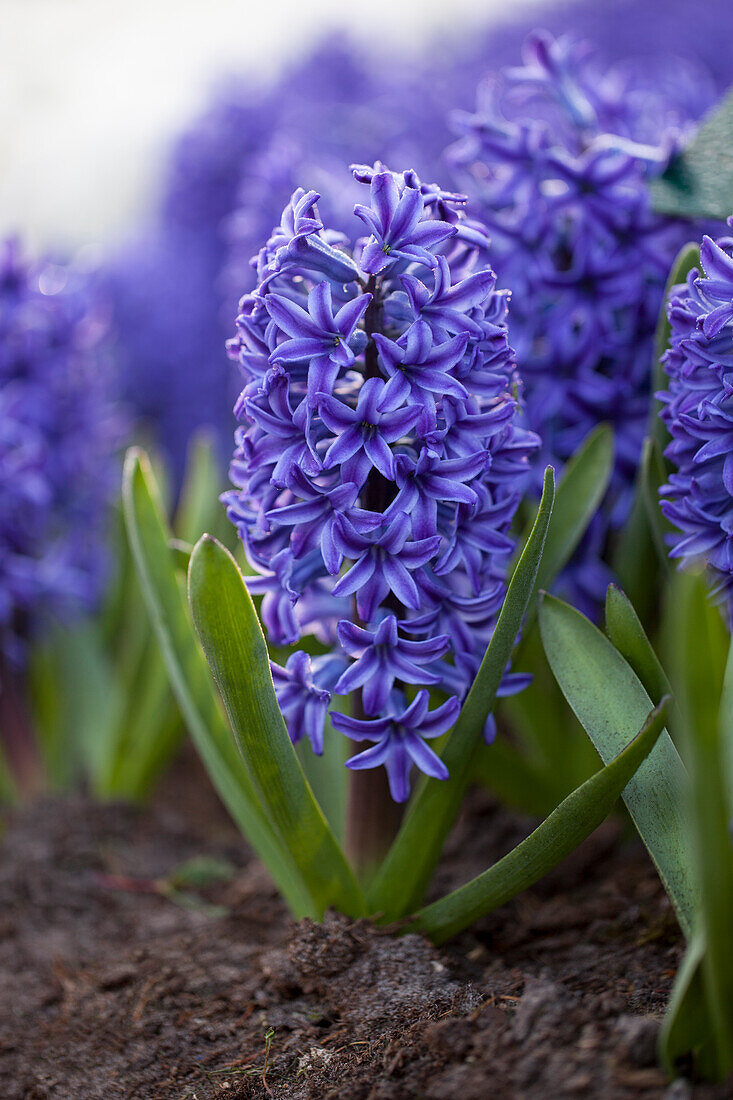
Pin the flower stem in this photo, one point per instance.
(373, 817)
(372, 820)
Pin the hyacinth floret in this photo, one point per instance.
(698, 412)
(557, 158)
(58, 431)
(378, 463)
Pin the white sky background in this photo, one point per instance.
(91, 90)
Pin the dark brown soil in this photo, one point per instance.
(109, 989)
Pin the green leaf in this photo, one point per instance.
(235, 647)
(199, 509)
(200, 872)
(579, 492)
(400, 883)
(699, 678)
(699, 182)
(77, 701)
(191, 681)
(686, 1029)
(538, 728)
(627, 635)
(610, 702)
(569, 824)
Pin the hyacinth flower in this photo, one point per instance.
(379, 462)
(58, 431)
(557, 158)
(698, 413)
(384, 356)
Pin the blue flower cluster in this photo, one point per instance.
(58, 431)
(557, 158)
(378, 463)
(698, 412)
(230, 172)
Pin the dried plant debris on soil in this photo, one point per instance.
(111, 988)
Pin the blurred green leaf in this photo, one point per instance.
(201, 871)
(579, 493)
(199, 508)
(573, 820)
(699, 181)
(686, 1030)
(703, 651)
(164, 591)
(610, 702)
(235, 647)
(400, 883)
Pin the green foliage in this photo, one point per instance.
(611, 703)
(102, 708)
(579, 493)
(537, 726)
(569, 824)
(703, 677)
(164, 589)
(699, 181)
(235, 647)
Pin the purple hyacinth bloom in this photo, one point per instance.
(303, 691)
(382, 657)
(376, 505)
(400, 740)
(557, 158)
(384, 562)
(399, 231)
(364, 433)
(59, 429)
(698, 412)
(329, 342)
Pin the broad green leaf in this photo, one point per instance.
(579, 493)
(699, 181)
(687, 258)
(699, 678)
(235, 647)
(569, 824)
(627, 634)
(611, 704)
(400, 883)
(191, 681)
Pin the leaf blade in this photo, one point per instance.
(611, 703)
(190, 679)
(235, 648)
(559, 834)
